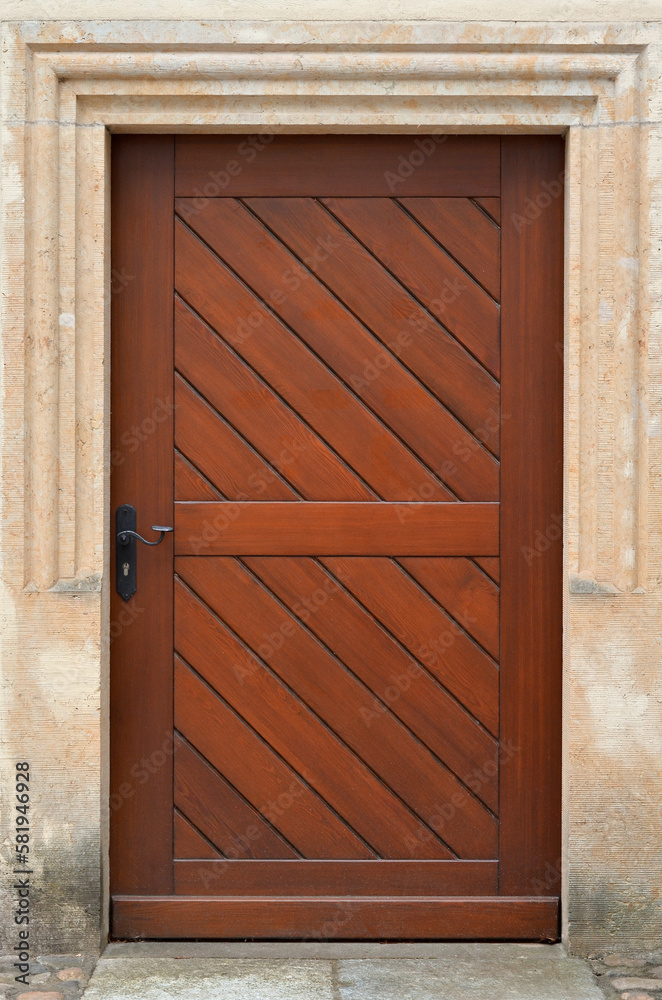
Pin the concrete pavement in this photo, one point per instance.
(340, 972)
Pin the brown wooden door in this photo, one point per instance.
(335, 694)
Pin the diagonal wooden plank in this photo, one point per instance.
(400, 683)
(382, 303)
(294, 732)
(373, 372)
(189, 842)
(191, 485)
(492, 206)
(234, 826)
(490, 565)
(462, 229)
(444, 288)
(259, 774)
(337, 697)
(426, 631)
(220, 454)
(259, 415)
(465, 592)
(309, 387)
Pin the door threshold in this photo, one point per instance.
(324, 950)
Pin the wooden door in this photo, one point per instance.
(335, 693)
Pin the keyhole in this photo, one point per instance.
(125, 567)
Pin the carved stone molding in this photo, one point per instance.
(74, 85)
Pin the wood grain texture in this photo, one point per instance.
(375, 165)
(490, 566)
(313, 391)
(337, 878)
(432, 275)
(190, 484)
(465, 232)
(368, 918)
(299, 455)
(189, 842)
(365, 698)
(228, 821)
(425, 629)
(142, 631)
(303, 740)
(401, 684)
(371, 371)
(260, 645)
(387, 307)
(259, 774)
(464, 592)
(492, 206)
(532, 507)
(332, 528)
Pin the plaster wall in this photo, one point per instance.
(65, 85)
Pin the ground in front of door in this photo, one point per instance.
(342, 972)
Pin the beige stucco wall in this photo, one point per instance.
(64, 84)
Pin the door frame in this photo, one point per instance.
(57, 567)
(143, 195)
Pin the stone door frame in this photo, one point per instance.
(70, 86)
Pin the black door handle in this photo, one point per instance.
(123, 536)
(126, 549)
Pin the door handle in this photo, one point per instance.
(126, 549)
(123, 536)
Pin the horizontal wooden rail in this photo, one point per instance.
(327, 529)
(335, 878)
(375, 917)
(338, 165)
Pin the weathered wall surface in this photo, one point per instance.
(600, 11)
(64, 84)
